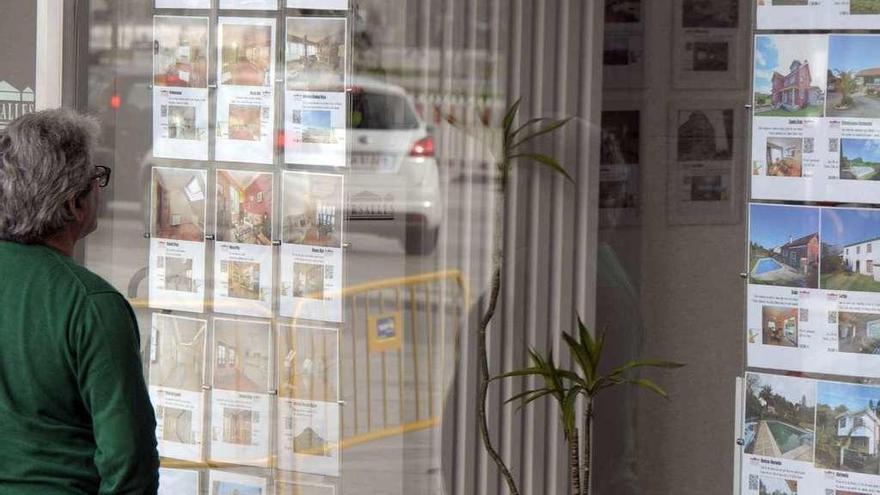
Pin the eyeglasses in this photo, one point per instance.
(102, 176)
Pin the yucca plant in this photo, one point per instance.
(510, 151)
(584, 380)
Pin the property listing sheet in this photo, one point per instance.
(619, 169)
(308, 395)
(245, 94)
(708, 38)
(240, 409)
(249, 4)
(318, 4)
(243, 269)
(229, 483)
(623, 54)
(308, 436)
(178, 482)
(180, 87)
(814, 289)
(816, 126)
(183, 4)
(314, 98)
(817, 14)
(177, 239)
(176, 363)
(311, 249)
(804, 436)
(703, 175)
(303, 488)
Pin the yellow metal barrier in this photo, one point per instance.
(399, 335)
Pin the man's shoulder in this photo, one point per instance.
(58, 269)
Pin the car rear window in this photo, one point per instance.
(379, 111)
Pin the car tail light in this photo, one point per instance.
(115, 102)
(423, 147)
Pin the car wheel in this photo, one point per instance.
(421, 240)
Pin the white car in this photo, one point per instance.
(394, 180)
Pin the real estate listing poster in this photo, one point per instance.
(176, 363)
(810, 436)
(240, 414)
(308, 436)
(243, 266)
(788, 106)
(178, 482)
(318, 4)
(180, 87)
(311, 249)
(249, 4)
(245, 95)
(315, 98)
(308, 363)
(623, 63)
(228, 483)
(708, 43)
(853, 14)
(796, 155)
(703, 173)
(814, 289)
(177, 239)
(183, 4)
(303, 488)
(619, 169)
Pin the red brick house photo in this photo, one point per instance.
(792, 91)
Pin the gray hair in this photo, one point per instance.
(45, 161)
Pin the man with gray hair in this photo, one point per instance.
(75, 416)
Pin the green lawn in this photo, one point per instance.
(864, 7)
(810, 111)
(790, 2)
(849, 281)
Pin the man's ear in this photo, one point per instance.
(75, 205)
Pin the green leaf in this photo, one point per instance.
(580, 355)
(523, 394)
(528, 123)
(642, 363)
(511, 115)
(648, 384)
(545, 160)
(556, 124)
(520, 372)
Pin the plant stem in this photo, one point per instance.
(497, 262)
(588, 445)
(574, 462)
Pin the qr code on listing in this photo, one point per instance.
(224, 266)
(804, 314)
(328, 272)
(832, 317)
(808, 145)
(833, 145)
(753, 482)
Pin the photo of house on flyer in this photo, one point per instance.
(850, 249)
(778, 434)
(784, 245)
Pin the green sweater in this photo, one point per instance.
(75, 416)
